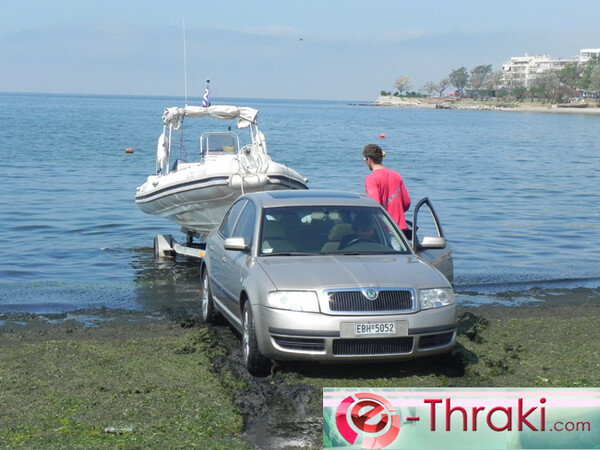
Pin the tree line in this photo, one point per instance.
(573, 80)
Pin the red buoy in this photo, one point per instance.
(128, 150)
(382, 136)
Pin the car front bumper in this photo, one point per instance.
(291, 335)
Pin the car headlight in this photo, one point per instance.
(436, 298)
(303, 301)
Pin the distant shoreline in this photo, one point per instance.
(481, 105)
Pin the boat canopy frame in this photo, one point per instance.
(246, 118)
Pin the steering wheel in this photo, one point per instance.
(356, 241)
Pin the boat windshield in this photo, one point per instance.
(219, 143)
(329, 230)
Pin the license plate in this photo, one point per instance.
(379, 328)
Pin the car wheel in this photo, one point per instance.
(255, 362)
(208, 306)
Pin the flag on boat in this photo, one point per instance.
(206, 98)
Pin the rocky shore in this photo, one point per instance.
(485, 105)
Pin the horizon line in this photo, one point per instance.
(175, 96)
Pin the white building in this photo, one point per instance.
(521, 70)
(588, 53)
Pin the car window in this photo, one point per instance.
(231, 218)
(322, 230)
(245, 224)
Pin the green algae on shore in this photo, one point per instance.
(183, 385)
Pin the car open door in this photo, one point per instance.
(428, 240)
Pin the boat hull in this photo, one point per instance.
(198, 204)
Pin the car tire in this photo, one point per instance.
(255, 362)
(209, 314)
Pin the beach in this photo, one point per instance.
(121, 370)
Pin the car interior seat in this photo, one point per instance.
(273, 239)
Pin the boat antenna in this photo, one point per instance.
(185, 66)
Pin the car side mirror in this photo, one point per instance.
(433, 242)
(236, 243)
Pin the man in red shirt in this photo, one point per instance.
(385, 186)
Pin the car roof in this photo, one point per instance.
(300, 197)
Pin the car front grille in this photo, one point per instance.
(369, 347)
(300, 343)
(355, 301)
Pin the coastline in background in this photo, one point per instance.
(468, 104)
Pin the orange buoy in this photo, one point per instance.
(382, 136)
(128, 150)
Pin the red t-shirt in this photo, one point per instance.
(386, 187)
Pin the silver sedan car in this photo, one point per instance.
(328, 276)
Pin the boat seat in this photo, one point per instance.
(273, 240)
(336, 234)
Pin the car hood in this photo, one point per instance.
(343, 271)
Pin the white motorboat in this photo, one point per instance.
(196, 195)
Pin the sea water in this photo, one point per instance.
(518, 194)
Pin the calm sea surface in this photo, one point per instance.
(518, 193)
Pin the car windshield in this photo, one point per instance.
(313, 230)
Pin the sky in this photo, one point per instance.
(286, 49)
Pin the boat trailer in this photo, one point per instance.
(165, 246)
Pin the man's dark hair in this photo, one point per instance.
(374, 152)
